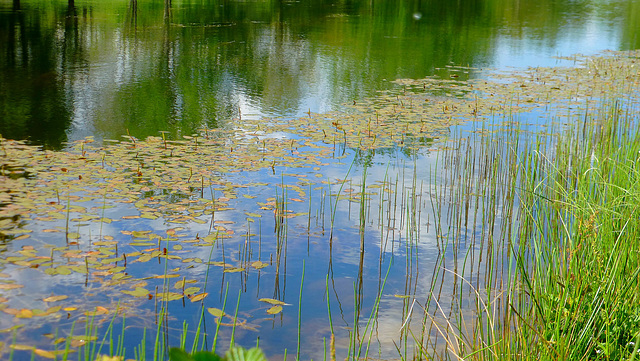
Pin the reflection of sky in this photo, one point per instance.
(342, 265)
(531, 50)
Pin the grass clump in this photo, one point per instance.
(581, 268)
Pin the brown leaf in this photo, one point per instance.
(10, 286)
(199, 297)
(45, 353)
(55, 298)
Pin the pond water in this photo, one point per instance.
(107, 68)
(246, 154)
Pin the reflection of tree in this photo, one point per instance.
(630, 34)
(132, 15)
(184, 67)
(32, 99)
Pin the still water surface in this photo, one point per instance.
(108, 69)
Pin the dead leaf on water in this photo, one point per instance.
(272, 301)
(25, 313)
(55, 298)
(11, 286)
(199, 297)
(45, 353)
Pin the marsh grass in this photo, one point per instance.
(559, 277)
(584, 264)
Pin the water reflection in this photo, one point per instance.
(71, 69)
(33, 103)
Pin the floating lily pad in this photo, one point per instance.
(274, 310)
(216, 312)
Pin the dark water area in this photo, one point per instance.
(91, 68)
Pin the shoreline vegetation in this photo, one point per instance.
(525, 184)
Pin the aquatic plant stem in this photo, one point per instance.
(300, 311)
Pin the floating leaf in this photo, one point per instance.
(149, 215)
(144, 258)
(51, 310)
(140, 234)
(180, 284)
(233, 269)
(11, 286)
(79, 269)
(169, 296)
(166, 276)
(25, 313)
(45, 353)
(138, 292)
(191, 290)
(401, 296)
(199, 297)
(63, 270)
(274, 310)
(38, 312)
(272, 301)
(98, 311)
(78, 343)
(55, 298)
(216, 312)
(258, 264)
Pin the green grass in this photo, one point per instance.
(557, 275)
(571, 288)
(583, 269)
